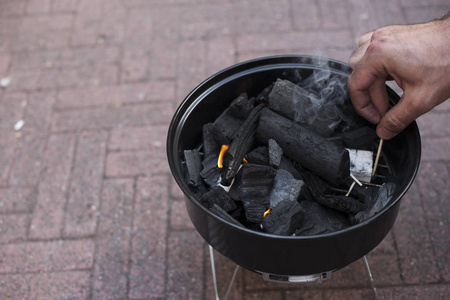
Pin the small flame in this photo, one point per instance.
(222, 152)
(244, 160)
(267, 212)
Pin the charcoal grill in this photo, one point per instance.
(284, 258)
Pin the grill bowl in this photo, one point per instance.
(267, 253)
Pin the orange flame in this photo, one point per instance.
(267, 212)
(222, 152)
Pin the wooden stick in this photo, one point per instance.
(355, 179)
(351, 188)
(370, 184)
(378, 157)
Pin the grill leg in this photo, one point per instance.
(369, 274)
(213, 269)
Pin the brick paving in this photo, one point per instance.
(88, 207)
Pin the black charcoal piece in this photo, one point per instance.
(256, 184)
(275, 153)
(263, 96)
(382, 198)
(314, 185)
(193, 166)
(341, 203)
(241, 144)
(284, 219)
(258, 156)
(365, 193)
(360, 137)
(291, 100)
(220, 212)
(305, 147)
(304, 107)
(236, 186)
(227, 124)
(210, 145)
(217, 195)
(285, 188)
(210, 172)
(286, 164)
(319, 219)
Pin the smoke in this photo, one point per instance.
(329, 96)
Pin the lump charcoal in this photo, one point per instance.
(304, 107)
(263, 96)
(210, 145)
(217, 195)
(236, 186)
(319, 219)
(382, 198)
(241, 144)
(239, 214)
(284, 219)
(327, 119)
(256, 183)
(285, 188)
(193, 166)
(305, 147)
(365, 193)
(258, 156)
(286, 164)
(220, 212)
(275, 153)
(210, 172)
(341, 203)
(228, 123)
(316, 185)
(289, 99)
(359, 137)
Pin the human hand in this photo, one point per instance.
(417, 57)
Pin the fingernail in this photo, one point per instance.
(385, 134)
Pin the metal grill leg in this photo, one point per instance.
(213, 269)
(369, 273)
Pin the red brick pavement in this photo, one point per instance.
(88, 207)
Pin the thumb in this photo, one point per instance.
(399, 117)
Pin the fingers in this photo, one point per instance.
(368, 93)
(398, 118)
(363, 44)
(358, 55)
(378, 95)
(365, 38)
